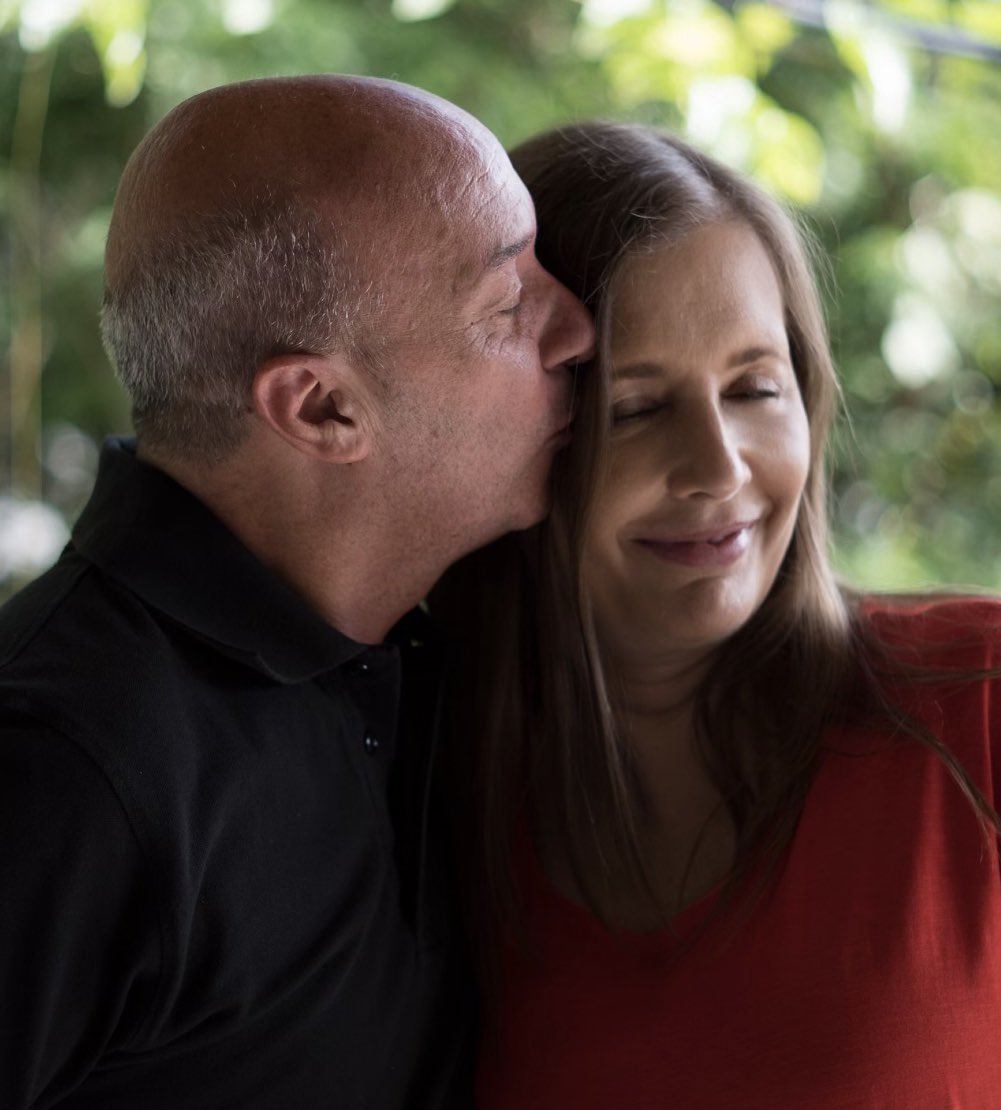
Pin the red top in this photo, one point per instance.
(869, 975)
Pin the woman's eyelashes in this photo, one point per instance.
(631, 409)
(756, 391)
(635, 409)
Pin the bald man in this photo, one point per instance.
(224, 883)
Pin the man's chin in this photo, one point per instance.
(534, 512)
(520, 519)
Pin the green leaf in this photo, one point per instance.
(118, 29)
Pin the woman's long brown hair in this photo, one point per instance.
(539, 741)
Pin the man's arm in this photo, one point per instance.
(79, 944)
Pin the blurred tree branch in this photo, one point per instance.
(26, 358)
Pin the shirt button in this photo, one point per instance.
(359, 666)
(371, 743)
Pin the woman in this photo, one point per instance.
(732, 829)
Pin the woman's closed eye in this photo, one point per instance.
(755, 391)
(635, 408)
(757, 385)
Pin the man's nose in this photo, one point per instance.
(568, 333)
(705, 456)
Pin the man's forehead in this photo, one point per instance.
(494, 229)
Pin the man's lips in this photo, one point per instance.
(718, 546)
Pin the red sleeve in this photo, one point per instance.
(960, 637)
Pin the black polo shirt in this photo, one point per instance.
(223, 882)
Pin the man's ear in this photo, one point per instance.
(318, 403)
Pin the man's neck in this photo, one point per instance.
(324, 542)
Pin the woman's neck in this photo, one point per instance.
(685, 837)
(655, 702)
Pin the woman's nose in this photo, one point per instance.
(706, 459)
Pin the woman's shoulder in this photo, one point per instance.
(938, 659)
(937, 629)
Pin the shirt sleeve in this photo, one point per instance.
(79, 944)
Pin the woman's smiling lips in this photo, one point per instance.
(711, 547)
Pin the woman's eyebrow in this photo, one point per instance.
(636, 371)
(753, 354)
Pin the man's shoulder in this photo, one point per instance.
(24, 618)
(69, 618)
(82, 655)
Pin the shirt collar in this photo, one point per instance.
(149, 533)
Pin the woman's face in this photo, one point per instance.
(709, 449)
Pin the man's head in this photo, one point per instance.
(339, 259)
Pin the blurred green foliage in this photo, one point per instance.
(880, 122)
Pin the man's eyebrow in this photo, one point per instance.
(505, 254)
